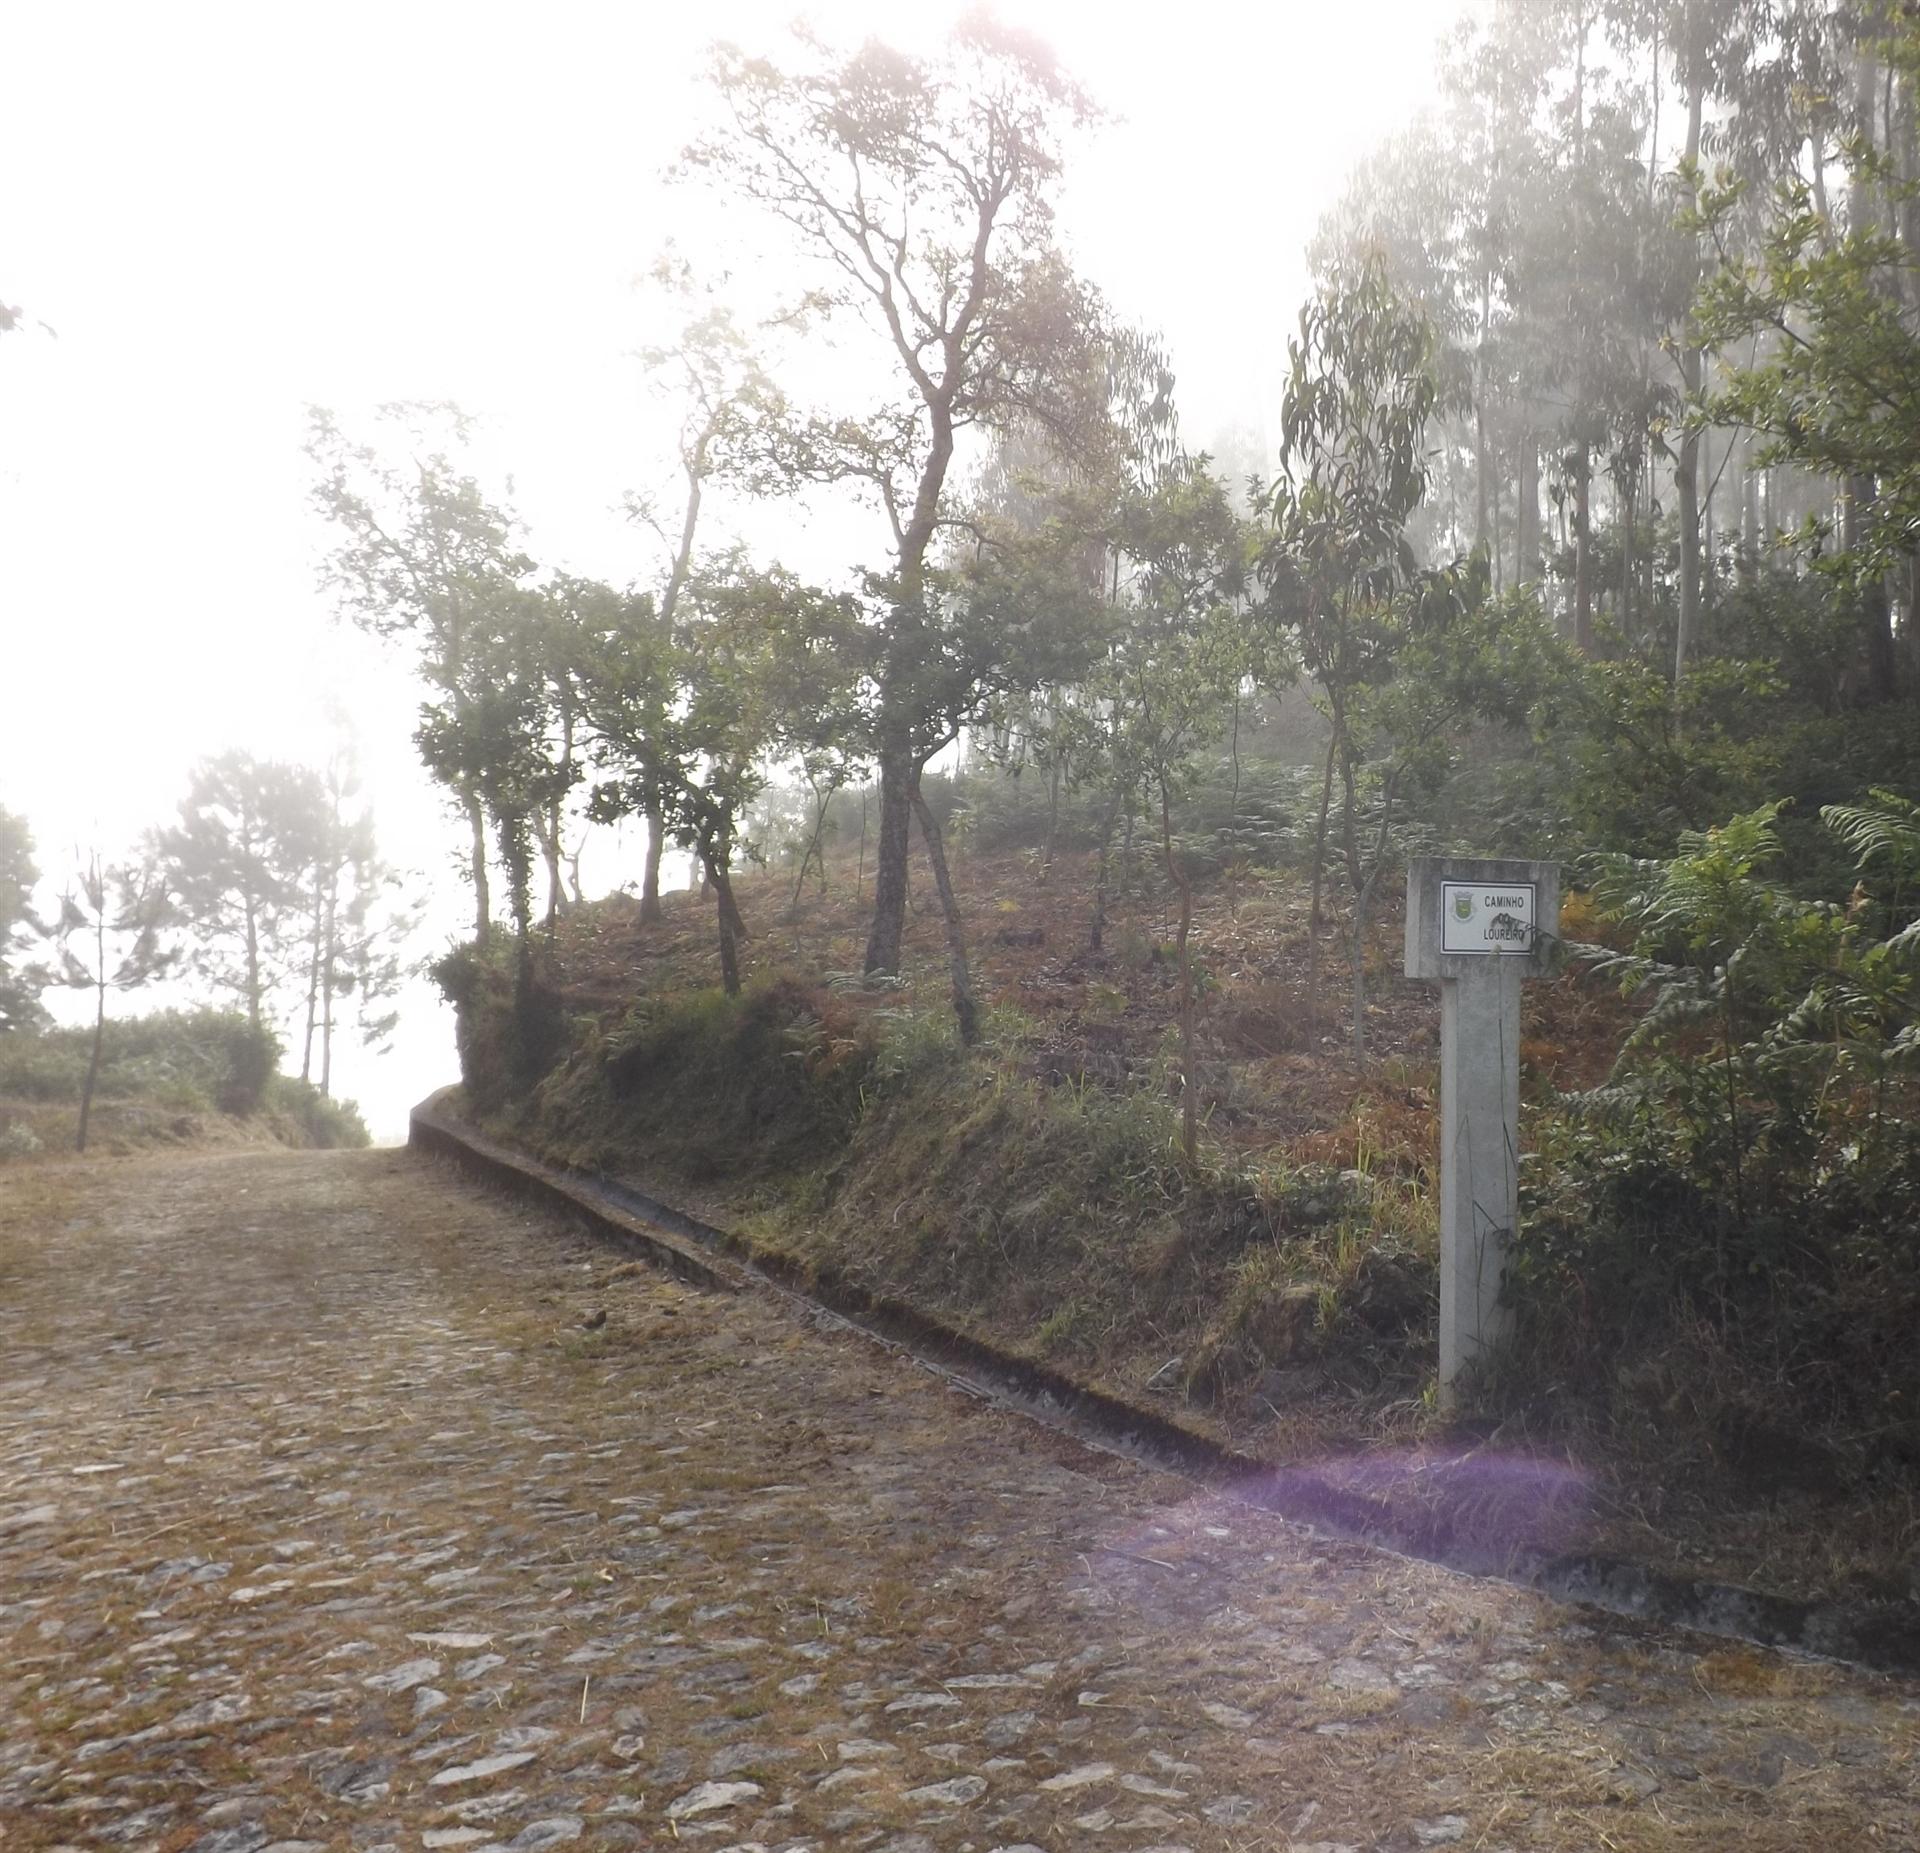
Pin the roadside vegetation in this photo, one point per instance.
(171, 1078)
(267, 895)
(1050, 856)
(1724, 1362)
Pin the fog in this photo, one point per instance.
(218, 216)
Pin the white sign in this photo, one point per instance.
(1478, 917)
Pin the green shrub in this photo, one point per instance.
(47, 1065)
(184, 1061)
(312, 1118)
(194, 1061)
(509, 1028)
(707, 1085)
(767, 1081)
(251, 1057)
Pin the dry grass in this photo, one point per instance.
(1286, 1288)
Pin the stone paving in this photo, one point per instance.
(345, 1505)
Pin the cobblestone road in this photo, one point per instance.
(333, 1513)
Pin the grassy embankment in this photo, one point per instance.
(1280, 1292)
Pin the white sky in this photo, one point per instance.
(228, 212)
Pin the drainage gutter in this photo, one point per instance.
(1883, 1637)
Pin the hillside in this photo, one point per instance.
(1281, 1291)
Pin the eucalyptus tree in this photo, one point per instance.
(1539, 220)
(1170, 674)
(1056, 522)
(1335, 559)
(922, 188)
(423, 553)
(1751, 78)
(687, 718)
(1830, 313)
(1405, 655)
(491, 737)
(630, 681)
(727, 415)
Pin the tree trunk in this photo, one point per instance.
(1526, 520)
(313, 983)
(1499, 548)
(897, 789)
(1319, 874)
(656, 847)
(814, 852)
(1583, 552)
(1053, 819)
(1749, 511)
(1359, 965)
(965, 1011)
(1189, 1080)
(1097, 936)
(1356, 885)
(1482, 467)
(899, 767)
(99, 1039)
(1876, 609)
(1233, 799)
(550, 854)
(1687, 474)
(1583, 466)
(477, 867)
(1628, 507)
(729, 958)
(1687, 471)
(326, 1039)
(719, 877)
(1709, 565)
(253, 963)
(1902, 132)
(726, 914)
(326, 990)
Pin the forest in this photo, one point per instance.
(1047, 859)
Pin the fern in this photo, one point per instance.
(1886, 830)
(1884, 836)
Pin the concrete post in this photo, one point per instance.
(1479, 1157)
(1479, 926)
